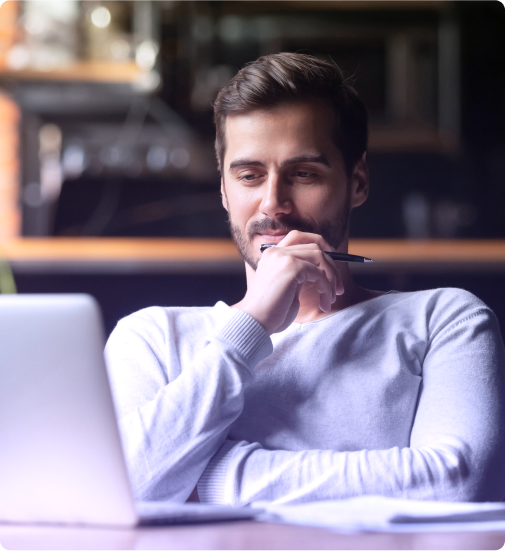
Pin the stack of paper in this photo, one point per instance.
(372, 513)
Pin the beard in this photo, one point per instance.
(333, 231)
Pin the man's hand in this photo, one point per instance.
(298, 260)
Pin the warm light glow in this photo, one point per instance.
(120, 49)
(100, 17)
(145, 55)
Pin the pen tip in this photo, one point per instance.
(368, 260)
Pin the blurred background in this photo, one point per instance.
(106, 132)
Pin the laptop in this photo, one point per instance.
(61, 458)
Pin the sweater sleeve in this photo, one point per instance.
(456, 452)
(170, 429)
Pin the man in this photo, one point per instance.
(311, 387)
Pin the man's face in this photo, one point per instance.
(282, 172)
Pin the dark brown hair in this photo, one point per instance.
(279, 78)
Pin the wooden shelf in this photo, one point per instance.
(397, 255)
(350, 5)
(121, 255)
(136, 255)
(81, 71)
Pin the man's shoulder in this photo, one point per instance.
(155, 322)
(443, 297)
(435, 298)
(438, 308)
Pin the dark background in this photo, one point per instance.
(471, 175)
(122, 295)
(460, 186)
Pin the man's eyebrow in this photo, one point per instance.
(245, 162)
(306, 159)
(293, 160)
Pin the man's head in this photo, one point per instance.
(291, 138)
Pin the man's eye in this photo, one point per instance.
(304, 175)
(248, 177)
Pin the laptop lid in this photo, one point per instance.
(61, 458)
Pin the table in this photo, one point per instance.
(235, 535)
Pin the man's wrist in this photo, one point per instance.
(247, 336)
(255, 314)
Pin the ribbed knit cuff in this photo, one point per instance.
(212, 482)
(248, 336)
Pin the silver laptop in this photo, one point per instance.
(61, 458)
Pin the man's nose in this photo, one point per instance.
(276, 198)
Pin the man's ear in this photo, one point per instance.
(223, 195)
(359, 182)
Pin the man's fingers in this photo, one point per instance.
(340, 287)
(312, 254)
(339, 281)
(316, 276)
(297, 242)
(295, 237)
(283, 272)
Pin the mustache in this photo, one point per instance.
(286, 223)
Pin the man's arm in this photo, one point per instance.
(456, 453)
(170, 429)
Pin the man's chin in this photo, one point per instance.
(243, 247)
(250, 261)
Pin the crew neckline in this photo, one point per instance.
(297, 324)
(221, 305)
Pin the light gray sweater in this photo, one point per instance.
(402, 395)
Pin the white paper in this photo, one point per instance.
(377, 513)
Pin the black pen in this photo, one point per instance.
(340, 257)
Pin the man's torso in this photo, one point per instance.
(350, 381)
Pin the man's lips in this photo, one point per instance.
(271, 237)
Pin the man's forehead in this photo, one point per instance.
(289, 130)
(296, 111)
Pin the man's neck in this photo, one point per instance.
(309, 299)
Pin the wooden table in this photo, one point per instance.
(130, 255)
(235, 535)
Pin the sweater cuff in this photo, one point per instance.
(212, 482)
(248, 336)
